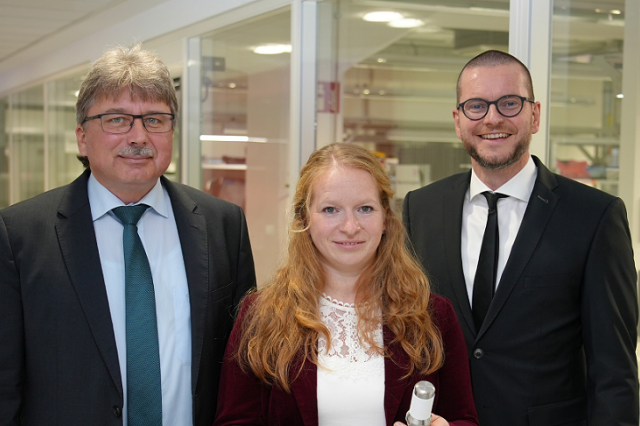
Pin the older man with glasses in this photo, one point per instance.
(118, 291)
(539, 268)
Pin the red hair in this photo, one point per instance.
(284, 320)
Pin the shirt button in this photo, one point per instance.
(117, 411)
(478, 353)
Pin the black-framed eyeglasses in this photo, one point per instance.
(117, 122)
(509, 106)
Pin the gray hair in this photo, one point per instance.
(141, 71)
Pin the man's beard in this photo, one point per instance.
(494, 163)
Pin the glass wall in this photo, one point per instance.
(38, 140)
(62, 148)
(4, 152)
(394, 74)
(586, 91)
(27, 143)
(173, 171)
(245, 126)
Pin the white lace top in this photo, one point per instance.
(350, 376)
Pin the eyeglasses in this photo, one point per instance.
(116, 122)
(508, 106)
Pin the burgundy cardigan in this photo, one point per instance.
(244, 400)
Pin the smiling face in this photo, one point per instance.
(346, 220)
(496, 142)
(127, 164)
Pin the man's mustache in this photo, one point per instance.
(145, 151)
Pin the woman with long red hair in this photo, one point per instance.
(347, 325)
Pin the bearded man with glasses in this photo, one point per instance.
(118, 291)
(539, 268)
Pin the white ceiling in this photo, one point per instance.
(31, 31)
(25, 23)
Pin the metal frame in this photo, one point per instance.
(303, 125)
(629, 186)
(190, 162)
(529, 17)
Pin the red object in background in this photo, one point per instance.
(328, 97)
(228, 185)
(573, 169)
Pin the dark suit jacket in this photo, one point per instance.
(58, 357)
(243, 400)
(558, 344)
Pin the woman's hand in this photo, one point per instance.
(436, 420)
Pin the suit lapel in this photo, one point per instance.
(452, 204)
(539, 210)
(394, 369)
(79, 249)
(305, 391)
(192, 231)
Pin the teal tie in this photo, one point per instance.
(144, 393)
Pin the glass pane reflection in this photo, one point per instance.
(586, 88)
(64, 167)
(27, 146)
(4, 152)
(398, 79)
(245, 127)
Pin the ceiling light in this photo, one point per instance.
(382, 16)
(227, 138)
(619, 96)
(272, 49)
(615, 12)
(406, 23)
(381, 60)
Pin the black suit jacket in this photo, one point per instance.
(558, 344)
(58, 357)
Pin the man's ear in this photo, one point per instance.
(456, 121)
(81, 137)
(535, 118)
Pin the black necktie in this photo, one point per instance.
(485, 281)
(144, 393)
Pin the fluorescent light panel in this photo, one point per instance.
(228, 138)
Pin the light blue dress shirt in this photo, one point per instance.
(159, 234)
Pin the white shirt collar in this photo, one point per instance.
(102, 201)
(519, 186)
